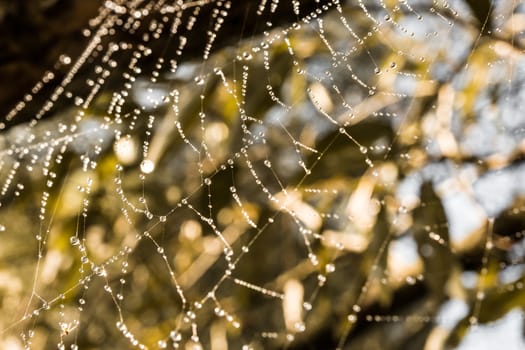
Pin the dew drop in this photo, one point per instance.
(199, 80)
(321, 279)
(329, 268)
(175, 336)
(147, 166)
(65, 60)
(299, 327)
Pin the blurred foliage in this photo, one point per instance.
(370, 176)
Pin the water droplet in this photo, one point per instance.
(329, 268)
(65, 60)
(299, 327)
(147, 166)
(199, 80)
(175, 336)
(321, 279)
(313, 259)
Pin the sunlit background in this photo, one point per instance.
(350, 176)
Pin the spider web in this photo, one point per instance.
(349, 175)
